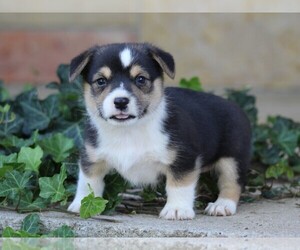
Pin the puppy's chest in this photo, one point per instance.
(138, 155)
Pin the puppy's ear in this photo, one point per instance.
(164, 59)
(79, 63)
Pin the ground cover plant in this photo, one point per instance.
(40, 141)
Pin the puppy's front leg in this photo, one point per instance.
(180, 197)
(94, 178)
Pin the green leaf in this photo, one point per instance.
(31, 157)
(194, 84)
(270, 156)
(91, 205)
(53, 187)
(287, 140)
(246, 101)
(280, 169)
(275, 171)
(35, 118)
(14, 184)
(8, 159)
(26, 203)
(63, 73)
(114, 184)
(51, 106)
(4, 94)
(149, 194)
(31, 224)
(14, 141)
(58, 146)
(5, 168)
(74, 131)
(11, 233)
(11, 127)
(62, 232)
(37, 205)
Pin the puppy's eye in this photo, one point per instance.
(140, 80)
(101, 81)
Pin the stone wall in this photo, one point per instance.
(231, 50)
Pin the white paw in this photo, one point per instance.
(75, 206)
(221, 207)
(177, 213)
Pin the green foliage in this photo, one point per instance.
(15, 184)
(31, 157)
(194, 84)
(31, 224)
(53, 187)
(38, 156)
(58, 146)
(114, 185)
(91, 205)
(276, 145)
(31, 227)
(245, 101)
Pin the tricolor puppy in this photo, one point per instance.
(143, 130)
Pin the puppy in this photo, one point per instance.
(143, 130)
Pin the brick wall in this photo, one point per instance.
(223, 49)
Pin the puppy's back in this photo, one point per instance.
(211, 121)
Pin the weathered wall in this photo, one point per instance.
(223, 49)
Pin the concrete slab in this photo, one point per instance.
(263, 218)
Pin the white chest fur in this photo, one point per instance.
(138, 152)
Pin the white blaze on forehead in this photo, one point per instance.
(125, 57)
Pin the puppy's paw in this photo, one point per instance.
(177, 213)
(75, 206)
(221, 207)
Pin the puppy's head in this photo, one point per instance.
(123, 82)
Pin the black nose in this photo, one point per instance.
(121, 102)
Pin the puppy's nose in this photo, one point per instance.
(121, 102)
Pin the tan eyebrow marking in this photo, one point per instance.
(138, 70)
(103, 71)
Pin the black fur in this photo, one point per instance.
(206, 125)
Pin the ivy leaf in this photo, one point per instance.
(63, 73)
(26, 203)
(288, 141)
(11, 233)
(246, 101)
(14, 141)
(31, 157)
(51, 106)
(194, 83)
(4, 94)
(35, 118)
(53, 187)
(14, 183)
(270, 156)
(37, 205)
(279, 169)
(75, 131)
(114, 184)
(62, 232)
(91, 205)
(8, 159)
(58, 146)
(31, 224)
(11, 127)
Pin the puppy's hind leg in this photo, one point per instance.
(181, 195)
(229, 188)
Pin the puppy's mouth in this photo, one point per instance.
(122, 117)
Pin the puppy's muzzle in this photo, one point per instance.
(121, 103)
